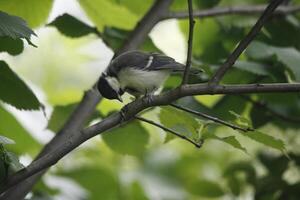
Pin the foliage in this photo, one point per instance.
(137, 160)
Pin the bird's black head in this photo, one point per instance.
(109, 87)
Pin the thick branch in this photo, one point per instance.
(198, 145)
(190, 44)
(215, 119)
(245, 42)
(91, 98)
(132, 110)
(236, 10)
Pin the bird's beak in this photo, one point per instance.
(120, 99)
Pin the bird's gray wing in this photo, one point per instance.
(144, 61)
(158, 61)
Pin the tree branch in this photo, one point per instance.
(236, 10)
(198, 145)
(245, 42)
(215, 119)
(91, 98)
(190, 44)
(132, 110)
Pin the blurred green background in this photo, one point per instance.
(139, 161)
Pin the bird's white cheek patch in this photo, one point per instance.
(114, 83)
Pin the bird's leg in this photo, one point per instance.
(148, 97)
(123, 112)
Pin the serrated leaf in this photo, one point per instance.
(179, 121)
(6, 140)
(130, 139)
(14, 91)
(231, 140)
(35, 12)
(71, 26)
(265, 139)
(14, 27)
(11, 46)
(108, 13)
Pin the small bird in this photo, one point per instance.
(137, 73)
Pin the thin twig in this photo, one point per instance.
(264, 106)
(215, 119)
(245, 42)
(198, 145)
(190, 44)
(236, 10)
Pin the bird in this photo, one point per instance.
(137, 73)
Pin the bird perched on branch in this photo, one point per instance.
(138, 73)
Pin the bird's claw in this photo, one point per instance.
(123, 112)
(148, 98)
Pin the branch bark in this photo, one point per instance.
(190, 44)
(236, 10)
(91, 98)
(132, 110)
(245, 42)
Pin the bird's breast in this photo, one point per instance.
(142, 81)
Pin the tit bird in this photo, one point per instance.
(138, 73)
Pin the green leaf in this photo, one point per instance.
(99, 183)
(35, 12)
(231, 140)
(14, 164)
(180, 121)
(289, 56)
(14, 91)
(137, 7)
(11, 46)
(265, 139)
(71, 26)
(130, 139)
(229, 102)
(14, 27)
(11, 128)
(252, 67)
(259, 117)
(5, 140)
(206, 188)
(242, 121)
(107, 13)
